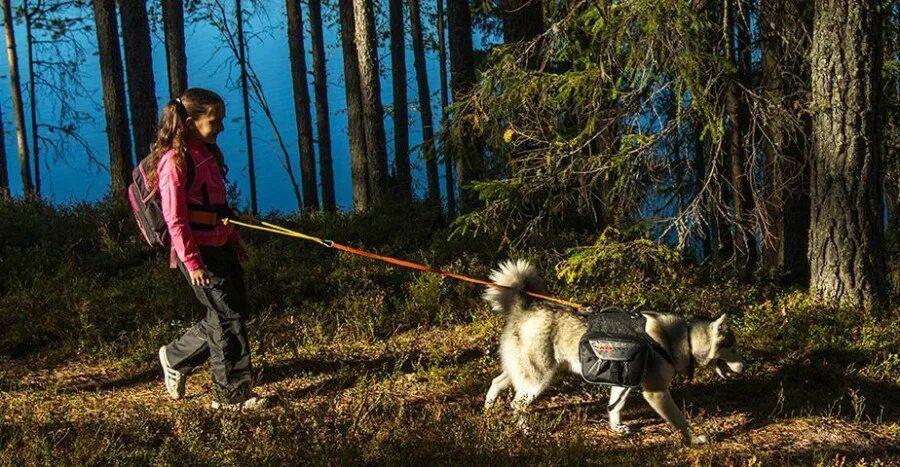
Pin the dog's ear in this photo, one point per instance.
(720, 325)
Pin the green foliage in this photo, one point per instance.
(581, 141)
(621, 261)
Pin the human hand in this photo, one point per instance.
(201, 277)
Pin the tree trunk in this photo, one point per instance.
(745, 253)
(846, 244)
(139, 69)
(891, 123)
(428, 154)
(16, 92)
(523, 20)
(35, 147)
(355, 128)
(248, 126)
(370, 86)
(469, 160)
(176, 60)
(784, 40)
(120, 160)
(401, 103)
(700, 169)
(323, 119)
(301, 106)
(4, 169)
(445, 101)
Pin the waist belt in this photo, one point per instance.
(207, 217)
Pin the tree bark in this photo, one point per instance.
(523, 20)
(120, 160)
(4, 169)
(468, 157)
(301, 106)
(784, 41)
(846, 244)
(176, 59)
(139, 69)
(355, 128)
(370, 87)
(428, 153)
(323, 119)
(248, 126)
(401, 103)
(445, 101)
(16, 92)
(32, 102)
(745, 252)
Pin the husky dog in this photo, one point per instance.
(541, 338)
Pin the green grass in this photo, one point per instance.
(375, 365)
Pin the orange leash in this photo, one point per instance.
(267, 227)
(422, 267)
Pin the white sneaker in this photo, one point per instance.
(253, 403)
(174, 379)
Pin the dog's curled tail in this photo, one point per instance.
(515, 276)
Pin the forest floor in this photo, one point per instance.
(416, 398)
(373, 365)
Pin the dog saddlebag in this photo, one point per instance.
(615, 348)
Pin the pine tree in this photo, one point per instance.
(176, 59)
(846, 244)
(784, 34)
(323, 119)
(18, 106)
(370, 87)
(301, 105)
(245, 100)
(427, 119)
(468, 153)
(449, 184)
(120, 159)
(139, 69)
(356, 132)
(401, 103)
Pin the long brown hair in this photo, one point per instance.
(194, 103)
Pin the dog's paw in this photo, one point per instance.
(699, 440)
(621, 429)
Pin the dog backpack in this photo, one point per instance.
(615, 348)
(147, 205)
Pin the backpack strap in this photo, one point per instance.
(659, 349)
(191, 170)
(640, 324)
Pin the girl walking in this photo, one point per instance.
(190, 173)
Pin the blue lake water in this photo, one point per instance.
(71, 177)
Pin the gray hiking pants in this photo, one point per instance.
(220, 336)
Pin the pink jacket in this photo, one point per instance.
(176, 195)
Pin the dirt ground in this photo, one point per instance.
(416, 398)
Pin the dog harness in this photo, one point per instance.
(614, 349)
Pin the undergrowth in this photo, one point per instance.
(398, 360)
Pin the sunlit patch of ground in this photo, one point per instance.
(414, 398)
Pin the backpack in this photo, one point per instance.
(614, 349)
(147, 205)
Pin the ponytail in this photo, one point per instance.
(171, 133)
